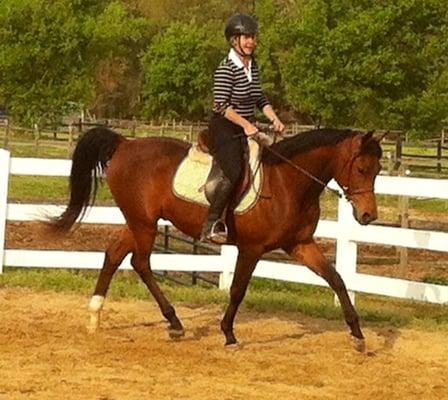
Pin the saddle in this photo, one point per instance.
(197, 171)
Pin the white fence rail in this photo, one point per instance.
(345, 230)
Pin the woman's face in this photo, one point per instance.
(246, 44)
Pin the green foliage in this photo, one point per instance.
(49, 51)
(380, 64)
(33, 39)
(165, 12)
(178, 71)
(332, 62)
(271, 18)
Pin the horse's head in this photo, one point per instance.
(359, 169)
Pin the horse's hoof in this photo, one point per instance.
(359, 344)
(231, 340)
(176, 333)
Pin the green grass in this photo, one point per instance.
(432, 205)
(413, 148)
(439, 280)
(264, 296)
(43, 151)
(48, 188)
(419, 167)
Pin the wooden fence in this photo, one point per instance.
(430, 159)
(65, 136)
(417, 156)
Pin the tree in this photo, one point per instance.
(49, 52)
(380, 64)
(271, 19)
(118, 36)
(178, 71)
(165, 12)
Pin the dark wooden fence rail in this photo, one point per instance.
(65, 135)
(167, 235)
(398, 146)
(435, 161)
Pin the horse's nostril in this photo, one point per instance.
(367, 218)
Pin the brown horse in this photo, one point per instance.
(140, 174)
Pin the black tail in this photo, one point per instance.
(95, 147)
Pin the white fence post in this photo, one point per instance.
(346, 250)
(229, 255)
(4, 176)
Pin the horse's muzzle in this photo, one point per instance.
(366, 218)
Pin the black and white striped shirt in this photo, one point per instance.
(233, 86)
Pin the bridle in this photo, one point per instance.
(346, 192)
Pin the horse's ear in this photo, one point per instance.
(360, 140)
(380, 136)
(367, 136)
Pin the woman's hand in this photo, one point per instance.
(278, 125)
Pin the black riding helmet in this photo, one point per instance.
(241, 24)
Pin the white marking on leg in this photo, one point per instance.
(95, 306)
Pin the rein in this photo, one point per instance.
(345, 189)
(306, 173)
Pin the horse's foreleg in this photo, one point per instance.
(114, 256)
(144, 240)
(245, 266)
(310, 254)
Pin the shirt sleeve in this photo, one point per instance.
(262, 101)
(222, 88)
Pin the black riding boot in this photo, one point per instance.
(214, 229)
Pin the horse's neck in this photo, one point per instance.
(319, 163)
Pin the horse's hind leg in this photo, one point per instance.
(309, 253)
(144, 240)
(114, 256)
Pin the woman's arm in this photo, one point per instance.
(272, 116)
(232, 115)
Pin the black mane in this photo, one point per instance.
(306, 141)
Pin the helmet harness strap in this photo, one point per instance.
(241, 53)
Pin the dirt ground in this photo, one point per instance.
(45, 353)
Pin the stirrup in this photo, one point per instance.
(217, 233)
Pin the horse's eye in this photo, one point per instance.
(362, 170)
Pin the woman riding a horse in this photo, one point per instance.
(236, 93)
